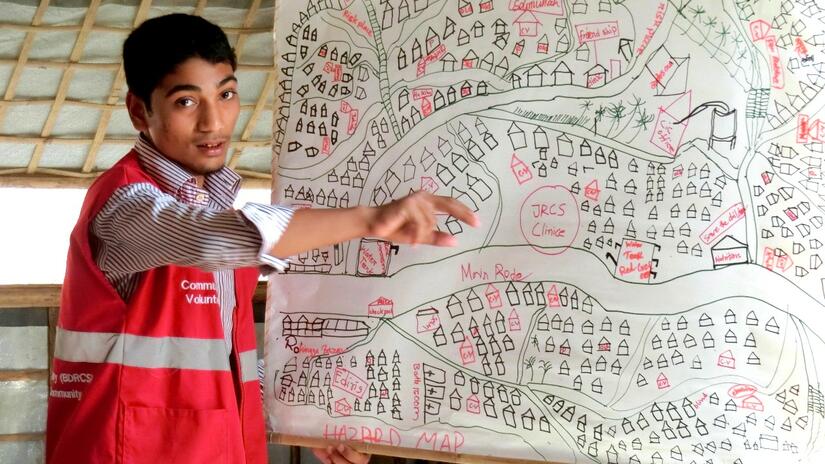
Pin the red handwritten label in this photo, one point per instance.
(364, 434)
(435, 55)
(349, 382)
(362, 26)
(553, 7)
(724, 222)
(427, 321)
(380, 307)
(775, 63)
(591, 32)
(446, 442)
(635, 261)
(550, 219)
(741, 391)
(651, 30)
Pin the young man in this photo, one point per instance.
(155, 351)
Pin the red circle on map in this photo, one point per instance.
(550, 219)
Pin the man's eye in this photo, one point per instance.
(229, 94)
(186, 101)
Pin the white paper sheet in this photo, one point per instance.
(647, 283)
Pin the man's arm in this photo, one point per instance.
(408, 220)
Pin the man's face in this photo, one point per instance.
(193, 114)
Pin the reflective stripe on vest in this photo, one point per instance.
(249, 365)
(141, 351)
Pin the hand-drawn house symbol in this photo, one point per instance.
(668, 74)
(596, 76)
(527, 24)
(427, 320)
(729, 251)
(380, 307)
(727, 360)
(562, 75)
(514, 321)
(543, 45)
(473, 405)
(535, 76)
(517, 138)
(493, 296)
(662, 382)
(374, 257)
(752, 403)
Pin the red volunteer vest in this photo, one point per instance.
(149, 380)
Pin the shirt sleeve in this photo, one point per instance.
(140, 228)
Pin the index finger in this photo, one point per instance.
(456, 209)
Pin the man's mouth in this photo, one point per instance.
(212, 147)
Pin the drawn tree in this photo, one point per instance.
(641, 122)
(598, 118)
(528, 364)
(545, 367)
(585, 106)
(616, 112)
(635, 105)
(696, 13)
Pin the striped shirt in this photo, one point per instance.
(142, 227)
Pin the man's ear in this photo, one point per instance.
(137, 112)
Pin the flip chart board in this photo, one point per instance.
(647, 282)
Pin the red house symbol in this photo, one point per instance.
(473, 406)
(752, 403)
(427, 320)
(465, 8)
(727, 360)
(662, 382)
(343, 407)
(520, 170)
(604, 345)
(527, 24)
(428, 184)
(493, 296)
(553, 300)
(466, 351)
(380, 307)
(515, 322)
(759, 29)
(592, 190)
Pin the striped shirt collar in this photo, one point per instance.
(220, 187)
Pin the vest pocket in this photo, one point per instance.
(155, 435)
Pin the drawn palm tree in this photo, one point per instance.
(710, 24)
(697, 13)
(545, 367)
(641, 123)
(585, 106)
(528, 364)
(635, 105)
(722, 34)
(680, 10)
(598, 118)
(616, 112)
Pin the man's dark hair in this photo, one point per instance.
(160, 44)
